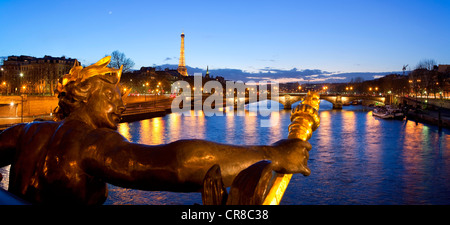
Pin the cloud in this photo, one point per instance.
(258, 78)
(267, 60)
(282, 75)
(170, 58)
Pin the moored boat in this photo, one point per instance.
(398, 114)
(382, 112)
(387, 112)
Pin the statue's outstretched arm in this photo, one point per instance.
(8, 143)
(180, 165)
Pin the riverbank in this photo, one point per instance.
(431, 111)
(146, 110)
(440, 118)
(6, 122)
(154, 107)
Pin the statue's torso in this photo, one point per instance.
(48, 167)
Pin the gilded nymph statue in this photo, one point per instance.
(72, 159)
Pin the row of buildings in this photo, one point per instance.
(433, 83)
(39, 76)
(149, 80)
(31, 75)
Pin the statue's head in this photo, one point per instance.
(94, 92)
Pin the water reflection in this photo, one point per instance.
(275, 131)
(323, 138)
(145, 131)
(372, 138)
(250, 129)
(422, 162)
(230, 129)
(199, 121)
(174, 127)
(124, 129)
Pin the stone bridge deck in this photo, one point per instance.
(287, 99)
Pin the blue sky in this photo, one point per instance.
(345, 36)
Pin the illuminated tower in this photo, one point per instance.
(207, 72)
(182, 65)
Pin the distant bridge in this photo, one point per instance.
(287, 99)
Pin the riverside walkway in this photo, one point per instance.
(154, 107)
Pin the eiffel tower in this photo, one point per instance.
(182, 65)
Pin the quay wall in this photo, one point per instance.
(14, 106)
(11, 106)
(442, 103)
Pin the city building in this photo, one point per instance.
(149, 80)
(31, 75)
(444, 68)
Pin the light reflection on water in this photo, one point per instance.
(356, 158)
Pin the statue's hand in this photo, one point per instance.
(291, 156)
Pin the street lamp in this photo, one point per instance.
(21, 76)
(4, 86)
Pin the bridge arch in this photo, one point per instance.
(288, 99)
(269, 104)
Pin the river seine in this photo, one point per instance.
(356, 158)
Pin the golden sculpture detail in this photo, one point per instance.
(304, 121)
(305, 117)
(80, 74)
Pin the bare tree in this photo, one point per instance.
(118, 59)
(424, 77)
(427, 64)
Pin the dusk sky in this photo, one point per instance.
(345, 36)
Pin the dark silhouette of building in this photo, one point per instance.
(148, 80)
